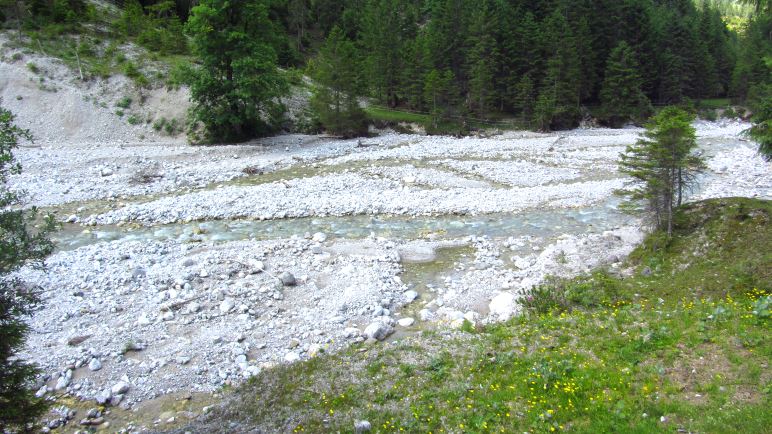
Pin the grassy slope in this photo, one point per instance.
(697, 360)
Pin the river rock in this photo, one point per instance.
(119, 388)
(226, 305)
(104, 397)
(503, 306)
(378, 330)
(62, 383)
(362, 426)
(410, 296)
(287, 279)
(314, 350)
(406, 322)
(319, 237)
(291, 357)
(94, 364)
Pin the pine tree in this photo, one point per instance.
(336, 73)
(621, 96)
(482, 59)
(441, 96)
(237, 85)
(19, 244)
(558, 104)
(662, 166)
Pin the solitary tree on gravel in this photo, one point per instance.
(21, 241)
(662, 166)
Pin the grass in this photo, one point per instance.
(714, 103)
(684, 346)
(386, 115)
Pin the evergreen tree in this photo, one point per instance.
(235, 89)
(336, 73)
(621, 96)
(441, 96)
(18, 245)
(662, 166)
(482, 60)
(558, 104)
(387, 27)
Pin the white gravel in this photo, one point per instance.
(197, 315)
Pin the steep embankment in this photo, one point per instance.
(50, 100)
(680, 344)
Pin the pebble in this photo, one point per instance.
(119, 388)
(406, 322)
(94, 364)
(226, 305)
(378, 330)
(362, 426)
(410, 296)
(287, 279)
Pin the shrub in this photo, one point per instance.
(560, 295)
(33, 68)
(134, 120)
(131, 71)
(124, 102)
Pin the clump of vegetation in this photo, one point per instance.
(124, 102)
(33, 68)
(21, 243)
(134, 119)
(170, 127)
(131, 70)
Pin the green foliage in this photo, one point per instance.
(156, 27)
(760, 99)
(334, 100)
(19, 244)
(124, 102)
(561, 295)
(234, 90)
(622, 96)
(662, 165)
(557, 106)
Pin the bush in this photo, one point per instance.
(124, 102)
(131, 71)
(560, 295)
(729, 113)
(709, 115)
(134, 120)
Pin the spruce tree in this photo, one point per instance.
(482, 59)
(558, 104)
(334, 100)
(20, 243)
(621, 96)
(662, 166)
